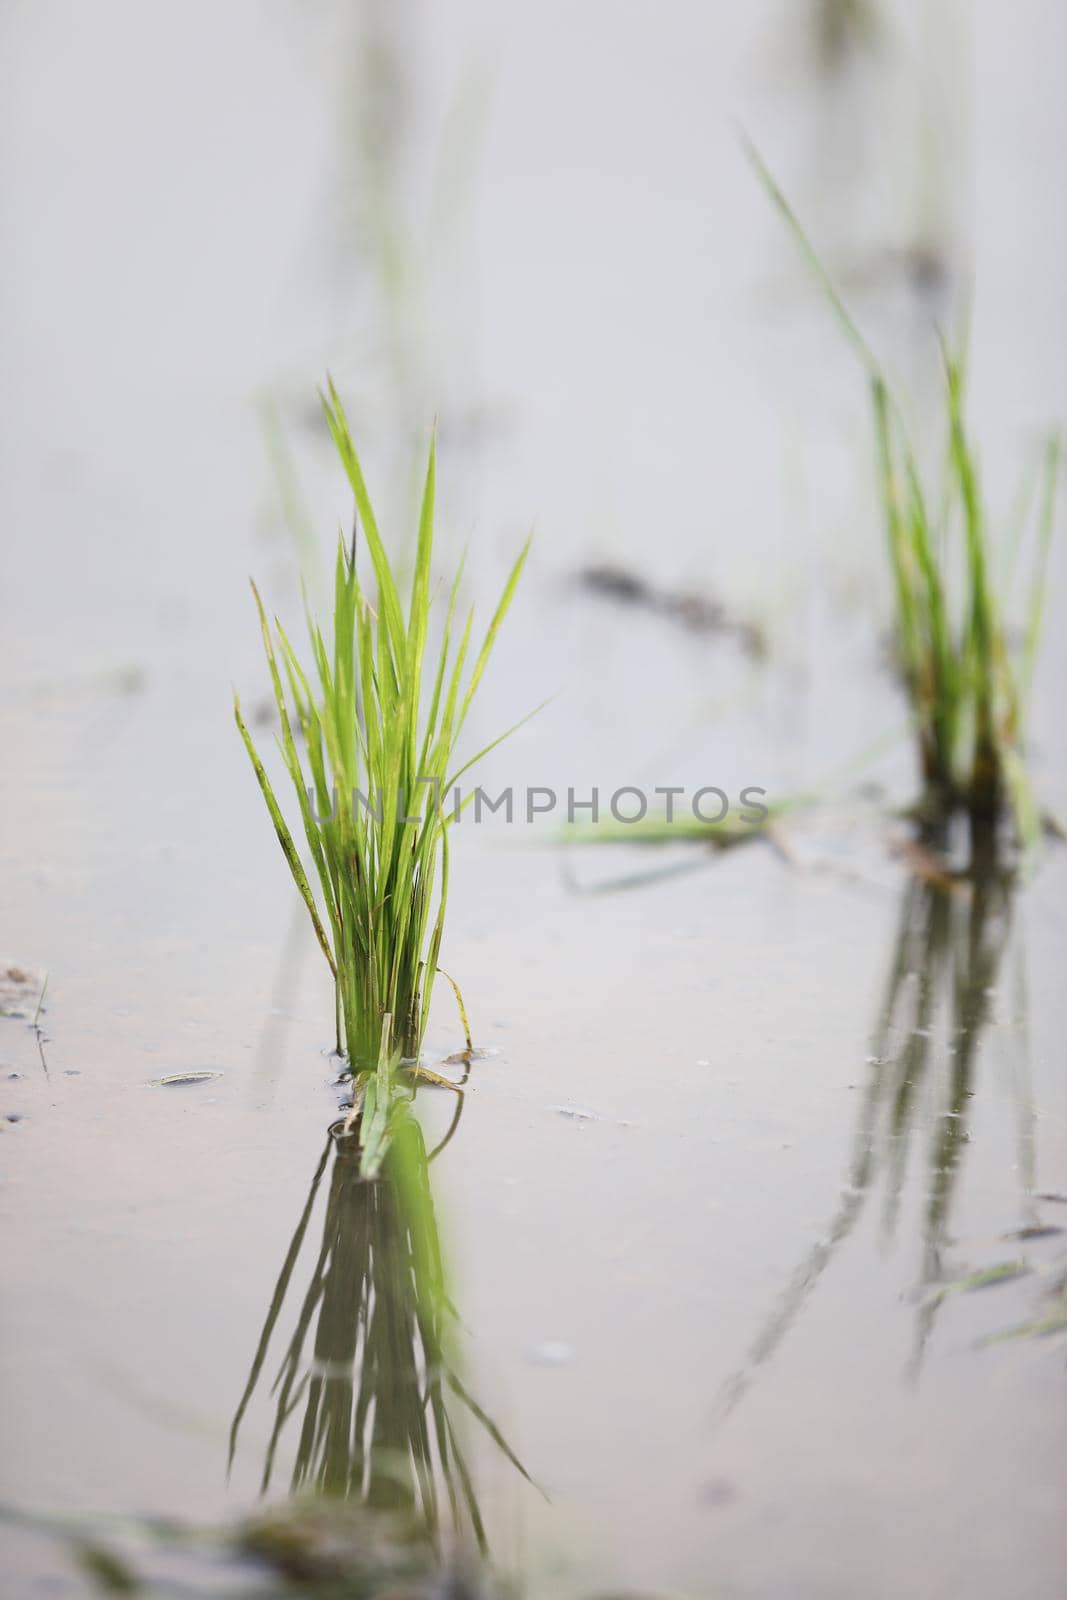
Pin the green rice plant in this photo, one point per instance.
(967, 682)
(380, 724)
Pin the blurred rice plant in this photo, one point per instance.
(967, 679)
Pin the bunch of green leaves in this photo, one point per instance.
(375, 779)
(966, 684)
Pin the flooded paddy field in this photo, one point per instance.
(742, 1270)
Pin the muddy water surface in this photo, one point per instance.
(750, 1135)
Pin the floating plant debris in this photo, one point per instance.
(19, 990)
(174, 1080)
(698, 613)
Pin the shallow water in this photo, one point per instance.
(711, 1329)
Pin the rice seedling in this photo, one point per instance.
(380, 1388)
(966, 679)
(380, 736)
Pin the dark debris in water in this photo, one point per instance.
(697, 613)
(842, 29)
(304, 1549)
(109, 1573)
(323, 1543)
(460, 1058)
(19, 990)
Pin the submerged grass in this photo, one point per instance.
(966, 681)
(1051, 1320)
(379, 762)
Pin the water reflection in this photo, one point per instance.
(948, 955)
(390, 266)
(885, 145)
(368, 1381)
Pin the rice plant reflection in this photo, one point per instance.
(380, 1400)
(948, 955)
